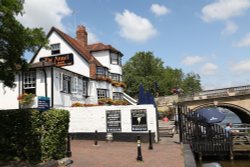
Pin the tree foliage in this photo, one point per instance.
(15, 39)
(147, 70)
(143, 68)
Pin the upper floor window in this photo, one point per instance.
(29, 82)
(115, 59)
(101, 71)
(55, 48)
(116, 77)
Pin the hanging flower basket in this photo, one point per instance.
(26, 99)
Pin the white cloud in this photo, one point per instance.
(191, 60)
(209, 69)
(45, 13)
(230, 28)
(134, 27)
(224, 9)
(244, 42)
(159, 10)
(242, 66)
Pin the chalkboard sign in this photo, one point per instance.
(43, 103)
(113, 118)
(139, 120)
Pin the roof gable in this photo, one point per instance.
(102, 47)
(74, 44)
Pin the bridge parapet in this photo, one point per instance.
(217, 93)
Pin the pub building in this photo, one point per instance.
(69, 71)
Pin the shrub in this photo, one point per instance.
(55, 131)
(27, 134)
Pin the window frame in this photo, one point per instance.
(55, 50)
(115, 59)
(29, 78)
(105, 94)
(119, 96)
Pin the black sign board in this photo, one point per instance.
(60, 60)
(139, 120)
(113, 118)
(43, 103)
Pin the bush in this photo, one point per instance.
(20, 135)
(27, 134)
(54, 134)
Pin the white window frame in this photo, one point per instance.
(55, 48)
(29, 80)
(102, 93)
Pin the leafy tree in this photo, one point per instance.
(15, 39)
(143, 68)
(191, 84)
(172, 79)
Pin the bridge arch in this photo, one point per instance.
(241, 112)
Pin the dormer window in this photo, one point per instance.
(55, 48)
(115, 59)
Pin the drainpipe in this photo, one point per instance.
(52, 87)
(45, 80)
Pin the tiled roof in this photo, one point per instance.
(75, 44)
(102, 47)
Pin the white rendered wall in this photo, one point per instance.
(8, 96)
(80, 65)
(89, 119)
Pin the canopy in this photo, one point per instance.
(210, 115)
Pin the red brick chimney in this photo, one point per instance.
(82, 35)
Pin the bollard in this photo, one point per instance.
(150, 147)
(96, 138)
(139, 154)
(68, 153)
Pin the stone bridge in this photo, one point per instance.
(236, 99)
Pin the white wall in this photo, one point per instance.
(8, 96)
(89, 119)
(80, 65)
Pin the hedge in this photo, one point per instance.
(28, 135)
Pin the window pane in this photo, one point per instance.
(55, 48)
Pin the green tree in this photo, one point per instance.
(143, 69)
(147, 70)
(172, 79)
(191, 84)
(15, 39)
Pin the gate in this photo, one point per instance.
(204, 139)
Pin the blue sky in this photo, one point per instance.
(207, 37)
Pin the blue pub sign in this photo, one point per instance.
(43, 103)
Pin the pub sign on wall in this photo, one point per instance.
(60, 60)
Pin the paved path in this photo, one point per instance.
(167, 153)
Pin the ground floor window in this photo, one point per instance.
(117, 96)
(29, 82)
(66, 84)
(82, 87)
(102, 93)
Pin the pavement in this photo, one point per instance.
(166, 153)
